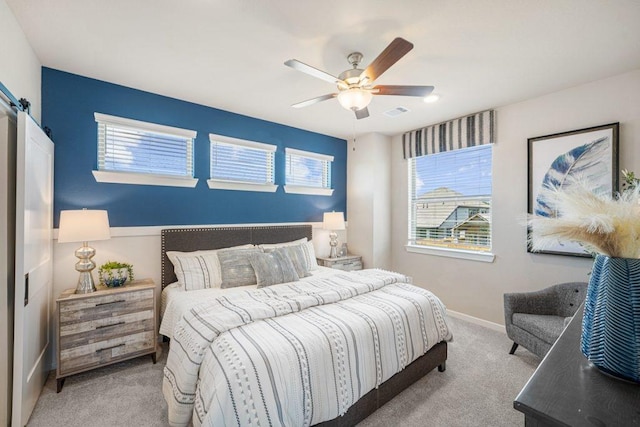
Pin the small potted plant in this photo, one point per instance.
(114, 274)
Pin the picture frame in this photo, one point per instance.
(590, 153)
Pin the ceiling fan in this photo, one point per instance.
(355, 86)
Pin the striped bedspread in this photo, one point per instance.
(297, 354)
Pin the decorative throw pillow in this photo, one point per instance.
(235, 267)
(196, 270)
(272, 268)
(298, 258)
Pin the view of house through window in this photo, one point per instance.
(450, 199)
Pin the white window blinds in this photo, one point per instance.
(307, 169)
(126, 145)
(450, 199)
(238, 161)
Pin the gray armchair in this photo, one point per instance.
(535, 320)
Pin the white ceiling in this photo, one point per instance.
(229, 54)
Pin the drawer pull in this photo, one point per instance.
(109, 348)
(111, 302)
(108, 326)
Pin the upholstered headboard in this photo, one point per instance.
(194, 239)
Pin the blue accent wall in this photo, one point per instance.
(68, 104)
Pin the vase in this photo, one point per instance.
(611, 323)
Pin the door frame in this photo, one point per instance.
(8, 137)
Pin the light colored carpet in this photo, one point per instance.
(477, 389)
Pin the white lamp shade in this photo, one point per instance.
(333, 221)
(83, 226)
(354, 98)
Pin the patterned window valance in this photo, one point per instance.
(468, 131)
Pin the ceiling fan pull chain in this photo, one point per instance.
(354, 135)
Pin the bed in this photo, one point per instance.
(226, 364)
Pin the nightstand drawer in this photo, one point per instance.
(105, 306)
(348, 266)
(103, 352)
(346, 263)
(78, 334)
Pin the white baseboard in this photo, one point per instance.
(477, 321)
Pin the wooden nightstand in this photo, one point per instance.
(105, 327)
(348, 263)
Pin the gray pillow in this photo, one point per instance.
(298, 258)
(272, 268)
(235, 267)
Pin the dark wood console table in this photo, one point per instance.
(566, 390)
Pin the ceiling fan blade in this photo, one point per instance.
(362, 113)
(398, 48)
(312, 71)
(314, 100)
(421, 91)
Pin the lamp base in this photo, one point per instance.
(333, 242)
(86, 285)
(85, 265)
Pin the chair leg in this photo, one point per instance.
(513, 348)
(442, 367)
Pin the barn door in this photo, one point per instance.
(33, 288)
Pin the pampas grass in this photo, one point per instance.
(601, 223)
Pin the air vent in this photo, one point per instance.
(396, 111)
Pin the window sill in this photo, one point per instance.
(313, 191)
(215, 184)
(451, 253)
(143, 179)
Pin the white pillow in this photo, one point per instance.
(198, 269)
(310, 254)
(265, 247)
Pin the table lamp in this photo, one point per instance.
(84, 226)
(333, 221)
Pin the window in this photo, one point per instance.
(308, 173)
(135, 152)
(236, 164)
(450, 200)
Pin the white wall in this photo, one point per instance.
(20, 69)
(476, 288)
(369, 199)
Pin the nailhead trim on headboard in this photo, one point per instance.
(192, 239)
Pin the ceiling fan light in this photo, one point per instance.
(355, 98)
(431, 98)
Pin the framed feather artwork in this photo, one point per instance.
(557, 161)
